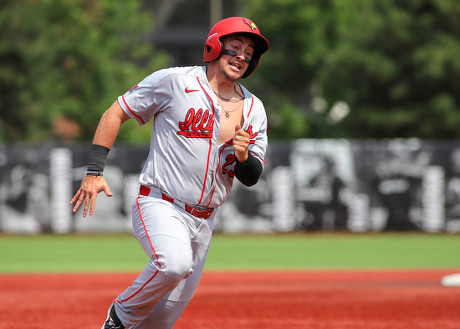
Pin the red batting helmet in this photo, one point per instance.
(235, 25)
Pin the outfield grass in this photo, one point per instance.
(336, 251)
(100, 253)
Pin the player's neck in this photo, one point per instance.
(223, 88)
(219, 82)
(227, 91)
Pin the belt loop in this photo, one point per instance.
(145, 191)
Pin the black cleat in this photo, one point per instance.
(112, 322)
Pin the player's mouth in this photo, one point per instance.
(236, 66)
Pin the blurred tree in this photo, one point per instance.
(62, 64)
(360, 68)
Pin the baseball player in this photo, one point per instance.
(207, 130)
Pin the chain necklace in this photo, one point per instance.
(230, 99)
(227, 113)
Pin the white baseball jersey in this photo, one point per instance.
(185, 160)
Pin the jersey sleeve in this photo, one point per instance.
(147, 98)
(258, 131)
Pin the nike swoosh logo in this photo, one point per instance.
(190, 90)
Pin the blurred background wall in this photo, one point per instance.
(307, 185)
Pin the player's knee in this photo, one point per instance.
(178, 265)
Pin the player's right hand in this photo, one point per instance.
(87, 193)
(241, 144)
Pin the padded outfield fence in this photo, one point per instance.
(307, 185)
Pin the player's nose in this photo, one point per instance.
(240, 56)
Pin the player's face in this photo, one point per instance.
(234, 66)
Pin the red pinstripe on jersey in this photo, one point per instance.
(252, 142)
(210, 144)
(250, 109)
(137, 116)
(215, 175)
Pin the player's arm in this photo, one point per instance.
(109, 126)
(104, 138)
(247, 168)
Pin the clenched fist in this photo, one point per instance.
(240, 144)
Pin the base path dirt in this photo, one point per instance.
(271, 300)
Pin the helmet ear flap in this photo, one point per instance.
(208, 51)
(212, 49)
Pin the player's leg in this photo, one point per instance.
(164, 315)
(160, 229)
(170, 308)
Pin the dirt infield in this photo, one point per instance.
(269, 300)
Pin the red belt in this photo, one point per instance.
(196, 211)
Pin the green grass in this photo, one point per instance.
(100, 253)
(336, 251)
(70, 253)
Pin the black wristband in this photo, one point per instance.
(97, 159)
(94, 172)
(248, 172)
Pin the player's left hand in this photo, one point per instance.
(240, 144)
